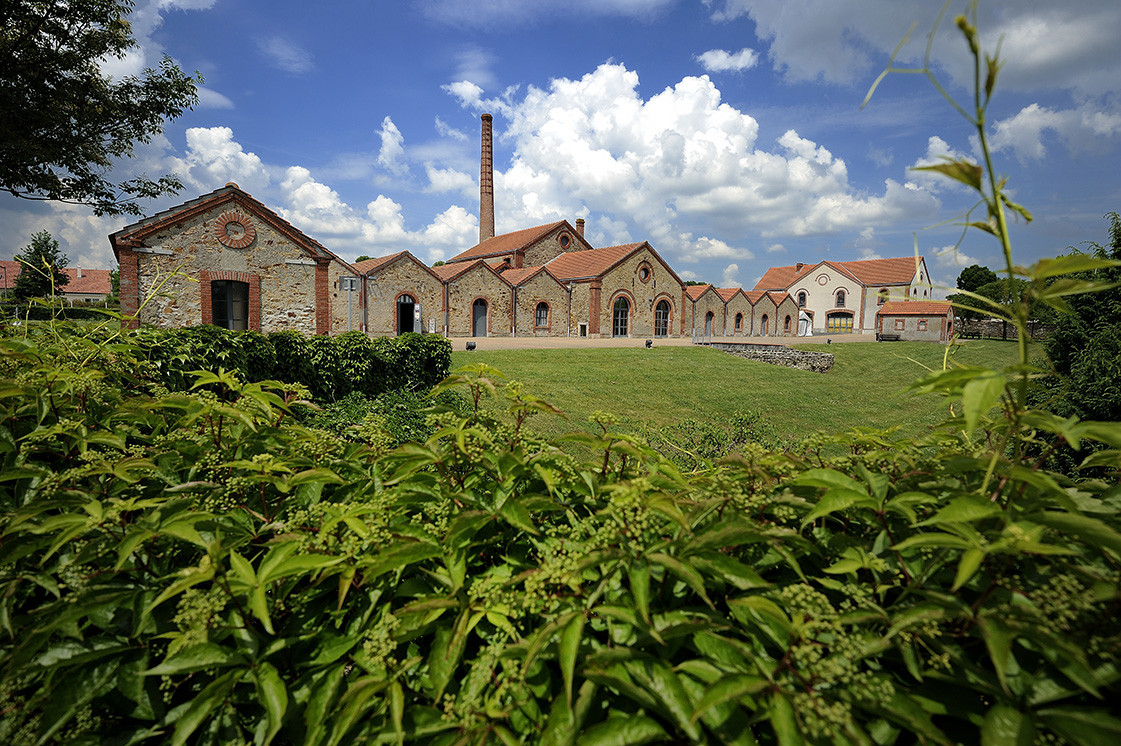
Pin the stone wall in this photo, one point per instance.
(479, 282)
(170, 268)
(644, 281)
(542, 288)
(814, 362)
(403, 277)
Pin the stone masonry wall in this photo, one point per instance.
(814, 362)
(549, 248)
(169, 270)
(479, 282)
(388, 284)
(626, 279)
(738, 304)
(542, 289)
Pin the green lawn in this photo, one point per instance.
(866, 387)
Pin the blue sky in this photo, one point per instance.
(728, 133)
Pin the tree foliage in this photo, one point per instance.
(974, 276)
(64, 123)
(41, 265)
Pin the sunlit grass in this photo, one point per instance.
(866, 388)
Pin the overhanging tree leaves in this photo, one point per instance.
(41, 268)
(63, 122)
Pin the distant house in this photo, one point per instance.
(916, 321)
(844, 297)
(85, 284)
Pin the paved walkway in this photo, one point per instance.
(527, 343)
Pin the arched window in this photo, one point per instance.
(739, 321)
(838, 323)
(406, 314)
(763, 325)
(786, 324)
(881, 297)
(801, 299)
(661, 319)
(710, 322)
(620, 322)
(479, 318)
(541, 314)
(229, 303)
(840, 299)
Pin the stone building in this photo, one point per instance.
(916, 321)
(402, 295)
(843, 297)
(706, 311)
(226, 259)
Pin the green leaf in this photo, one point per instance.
(967, 173)
(686, 574)
(517, 516)
(730, 689)
(783, 721)
(195, 658)
(980, 395)
(967, 567)
(1006, 726)
(998, 640)
(629, 730)
(1083, 726)
(638, 575)
(1090, 530)
(965, 508)
(729, 569)
(1069, 265)
(273, 695)
(187, 718)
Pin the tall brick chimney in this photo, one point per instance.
(580, 226)
(486, 183)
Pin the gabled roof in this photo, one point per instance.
(449, 272)
(726, 294)
(583, 265)
(915, 308)
(134, 235)
(92, 281)
(777, 297)
(508, 243)
(896, 271)
(696, 291)
(755, 295)
(377, 264)
(518, 277)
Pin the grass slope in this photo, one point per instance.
(866, 387)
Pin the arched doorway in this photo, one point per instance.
(479, 318)
(621, 317)
(710, 321)
(763, 325)
(406, 312)
(661, 319)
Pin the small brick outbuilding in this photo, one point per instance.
(915, 321)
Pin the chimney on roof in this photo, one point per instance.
(580, 226)
(79, 269)
(486, 183)
(798, 267)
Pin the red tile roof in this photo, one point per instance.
(728, 293)
(92, 282)
(518, 277)
(9, 270)
(897, 271)
(777, 297)
(368, 265)
(696, 291)
(507, 243)
(449, 272)
(581, 265)
(754, 295)
(915, 308)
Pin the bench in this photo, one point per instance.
(887, 337)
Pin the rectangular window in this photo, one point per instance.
(922, 325)
(542, 315)
(899, 325)
(229, 302)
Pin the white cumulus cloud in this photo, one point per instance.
(722, 61)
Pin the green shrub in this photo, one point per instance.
(260, 356)
(293, 358)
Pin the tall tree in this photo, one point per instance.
(63, 123)
(971, 279)
(41, 268)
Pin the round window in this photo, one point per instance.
(565, 240)
(234, 230)
(644, 273)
